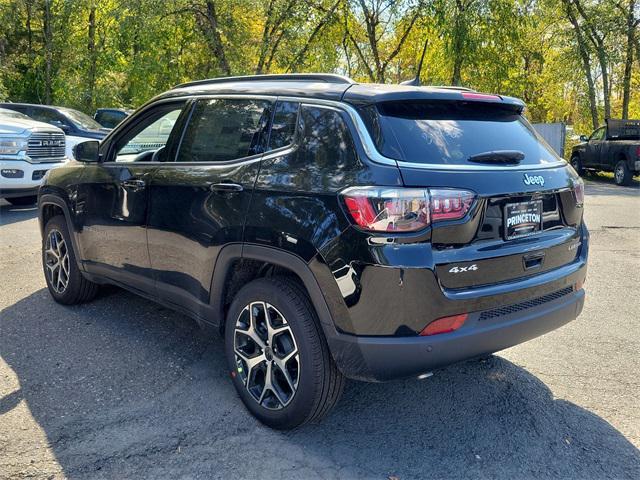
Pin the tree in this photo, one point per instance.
(586, 61)
(374, 19)
(632, 26)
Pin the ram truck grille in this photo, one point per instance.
(46, 147)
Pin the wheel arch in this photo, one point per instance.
(258, 257)
(49, 206)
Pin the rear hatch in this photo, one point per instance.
(526, 216)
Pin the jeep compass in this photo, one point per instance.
(326, 229)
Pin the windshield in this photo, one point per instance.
(81, 119)
(5, 112)
(448, 132)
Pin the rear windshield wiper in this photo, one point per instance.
(497, 156)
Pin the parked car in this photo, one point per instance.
(327, 229)
(77, 126)
(110, 117)
(28, 149)
(614, 147)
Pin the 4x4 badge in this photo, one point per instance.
(533, 180)
(457, 269)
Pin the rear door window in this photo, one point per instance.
(449, 133)
(226, 129)
(283, 130)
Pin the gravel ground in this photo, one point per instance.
(123, 388)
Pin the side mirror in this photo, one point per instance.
(87, 151)
(584, 138)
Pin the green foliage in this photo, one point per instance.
(123, 52)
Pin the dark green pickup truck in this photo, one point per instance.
(614, 147)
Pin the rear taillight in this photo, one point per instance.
(381, 209)
(578, 192)
(444, 325)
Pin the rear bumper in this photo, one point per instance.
(386, 358)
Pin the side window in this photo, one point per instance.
(48, 116)
(149, 136)
(598, 134)
(225, 129)
(326, 138)
(109, 119)
(283, 129)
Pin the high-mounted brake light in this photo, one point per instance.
(481, 96)
(444, 325)
(382, 209)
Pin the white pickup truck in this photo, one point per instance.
(28, 149)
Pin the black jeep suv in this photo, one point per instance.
(326, 228)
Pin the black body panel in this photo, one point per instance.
(177, 227)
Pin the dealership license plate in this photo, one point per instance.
(522, 219)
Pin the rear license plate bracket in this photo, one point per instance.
(522, 219)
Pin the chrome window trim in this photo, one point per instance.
(365, 139)
(375, 156)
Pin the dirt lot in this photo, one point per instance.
(123, 388)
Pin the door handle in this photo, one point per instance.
(226, 187)
(134, 183)
(533, 261)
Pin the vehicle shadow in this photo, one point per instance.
(10, 214)
(600, 184)
(123, 388)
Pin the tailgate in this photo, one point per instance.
(478, 250)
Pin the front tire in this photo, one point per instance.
(23, 201)
(64, 279)
(278, 357)
(622, 175)
(576, 163)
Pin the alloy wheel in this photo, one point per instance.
(56, 258)
(266, 355)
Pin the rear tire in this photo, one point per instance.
(64, 279)
(622, 175)
(576, 163)
(22, 201)
(293, 380)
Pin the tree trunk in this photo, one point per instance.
(215, 39)
(586, 63)
(29, 31)
(372, 20)
(598, 42)
(48, 53)
(458, 41)
(628, 64)
(93, 58)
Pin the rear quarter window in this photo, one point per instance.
(451, 132)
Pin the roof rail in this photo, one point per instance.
(290, 77)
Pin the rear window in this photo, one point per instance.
(451, 132)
